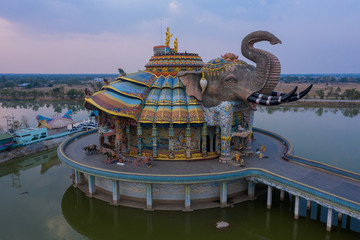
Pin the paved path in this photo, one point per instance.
(324, 181)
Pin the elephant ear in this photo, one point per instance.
(191, 80)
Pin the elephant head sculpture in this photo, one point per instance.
(230, 79)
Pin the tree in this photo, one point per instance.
(72, 93)
(320, 93)
(24, 122)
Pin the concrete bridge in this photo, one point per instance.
(336, 189)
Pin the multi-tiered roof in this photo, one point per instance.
(155, 95)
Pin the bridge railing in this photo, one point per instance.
(288, 156)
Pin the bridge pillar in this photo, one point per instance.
(339, 216)
(77, 179)
(269, 197)
(223, 194)
(282, 195)
(251, 189)
(329, 220)
(115, 192)
(91, 182)
(149, 202)
(187, 198)
(296, 210)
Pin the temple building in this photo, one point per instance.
(149, 113)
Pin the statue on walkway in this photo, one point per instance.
(176, 45)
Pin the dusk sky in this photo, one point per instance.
(99, 36)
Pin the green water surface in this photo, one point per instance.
(38, 201)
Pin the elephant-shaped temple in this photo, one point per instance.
(182, 109)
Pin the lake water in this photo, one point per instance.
(38, 201)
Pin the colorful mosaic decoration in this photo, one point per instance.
(162, 101)
(180, 60)
(129, 89)
(219, 65)
(116, 104)
(142, 78)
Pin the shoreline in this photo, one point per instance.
(300, 103)
(325, 103)
(31, 149)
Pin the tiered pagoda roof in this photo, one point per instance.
(148, 98)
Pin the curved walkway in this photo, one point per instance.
(331, 187)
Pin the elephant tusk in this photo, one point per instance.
(203, 83)
(279, 99)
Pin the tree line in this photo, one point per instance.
(57, 93)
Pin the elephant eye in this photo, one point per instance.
(230, 80)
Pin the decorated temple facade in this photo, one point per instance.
(149, 113)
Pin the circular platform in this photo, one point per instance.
(169, 181)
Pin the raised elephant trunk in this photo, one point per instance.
(268, 67)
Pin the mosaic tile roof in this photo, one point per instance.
(175, 60)
(148, 98)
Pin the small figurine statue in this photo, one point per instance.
(262, 149)
(242, 163)
(167, 37)
(176, 45)
(237, 157)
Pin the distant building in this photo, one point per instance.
(23, 85)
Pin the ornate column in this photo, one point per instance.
(117, 137)
(127, 130)
(204, 140)
(211, 136)
(217, 140)
(139, 138)
(188, 141)
(171, 141)
(226, 116)
(154, 136)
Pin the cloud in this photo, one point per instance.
(173, 7)
(72, 53)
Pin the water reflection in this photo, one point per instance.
(14, 167)
(57, 106)
(319, 111)
(96, 219)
